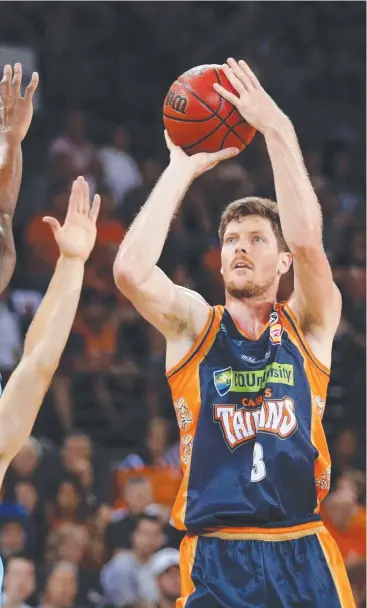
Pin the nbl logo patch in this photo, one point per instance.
(276, 329)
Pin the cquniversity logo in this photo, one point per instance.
(223, 380)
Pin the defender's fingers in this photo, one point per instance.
(93, 214)
(86, 198)
(30, 90)
(52, 222)
(74, 195)
(5, 82)
(17, 79)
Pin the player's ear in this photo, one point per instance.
(285, 262)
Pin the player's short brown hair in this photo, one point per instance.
(253, 205)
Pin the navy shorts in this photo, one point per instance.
(283, 570)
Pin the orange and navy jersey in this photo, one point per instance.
(253, 450)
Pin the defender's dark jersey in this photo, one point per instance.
(253, 450)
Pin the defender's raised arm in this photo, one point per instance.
(50, 328)
(15, 118)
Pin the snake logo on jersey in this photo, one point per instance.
(253, 451)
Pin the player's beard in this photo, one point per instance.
(248, 290)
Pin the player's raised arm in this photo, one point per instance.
(170, 308)
(50, 328)
(316, 300)
(15, 118)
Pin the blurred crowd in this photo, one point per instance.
(84, 518)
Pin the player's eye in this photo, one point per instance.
(258, 239)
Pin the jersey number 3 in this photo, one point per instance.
(258, 465)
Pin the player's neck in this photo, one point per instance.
(251, 314)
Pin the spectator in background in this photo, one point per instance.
(111, 231)
(345, 519)
(158, 452)
(28, 496)
(137, 498)
(13, 536)
(78, 457)
(357, 577)
(72, 154)
(104, 397)
(71, 544)
(124, 578)
(344, 452)
(136, 197)
(121, 173)
(27, 462)
(110, 228)
(19, 582)
(77, 447)
(61, 587)
(66, 543)
(164, 568)
(69, 505)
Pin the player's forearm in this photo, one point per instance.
(143, 244)
(10, 175)
(10, 179)
(51, 325)
(48, 333)
(299, 210)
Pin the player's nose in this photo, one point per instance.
(241, 246)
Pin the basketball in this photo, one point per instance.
(198, 119)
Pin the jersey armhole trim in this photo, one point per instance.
(195, 347)
(302, 338)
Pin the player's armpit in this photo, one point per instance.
(172, 309)
(316, 300)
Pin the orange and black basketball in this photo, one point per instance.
(198, 119)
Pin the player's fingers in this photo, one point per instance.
(169, 142)
(17, 79)
(29, 92)
(238, 79)
(217, 157)
(81, 194)
(74, 195)
(93, 214)
(5, 82)
(247, 70)
(52, 222)
(86, 198)
(233, 99)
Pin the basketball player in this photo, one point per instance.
(50, 328)
(15, 118)
(248, 380)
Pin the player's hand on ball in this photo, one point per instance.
(77, 236)
(197, 163)
(16, 111)
(253, 102)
